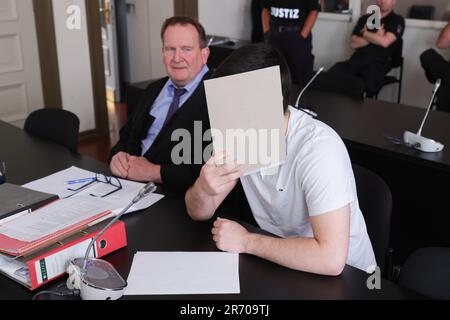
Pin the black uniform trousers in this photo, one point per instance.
(436, 67)
(296, 50)
(371, 70)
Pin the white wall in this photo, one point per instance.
(74, 64)
(144, 40)
(159, 10)
(331, 39)
(230, 18)
(419, 36)
(331, 42)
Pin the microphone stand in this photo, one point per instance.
(148, 188)
(416, 140)
(307, 111)
(109, 285)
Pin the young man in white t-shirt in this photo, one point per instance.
(310, 202)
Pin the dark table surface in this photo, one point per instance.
(418, 180)
(370, 123)
(166, 226)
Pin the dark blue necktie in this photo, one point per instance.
(175, 104)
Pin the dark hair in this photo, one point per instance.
(179, 20)
(257, 56)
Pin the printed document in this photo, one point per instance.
(54, 217)
(57, 184)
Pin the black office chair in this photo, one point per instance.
(427, 272)
(396, 62)
(375, 202)
(342, 83)
(58, 125)
(421, 12)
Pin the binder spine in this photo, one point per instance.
(53, 264)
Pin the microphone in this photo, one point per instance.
(98, 279)
(210, 41)
(307, 111)
(415, 139)
(435, 90)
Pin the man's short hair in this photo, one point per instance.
(180, 20)
(257, 56)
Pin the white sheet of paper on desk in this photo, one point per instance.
(168, 273)
(248, 107)
(56, 184)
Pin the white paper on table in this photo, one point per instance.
(56, 184)
(167, 273)
(248, 107)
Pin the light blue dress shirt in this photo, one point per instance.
(162, 104)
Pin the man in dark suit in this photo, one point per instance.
(173, 107)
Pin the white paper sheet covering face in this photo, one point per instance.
(167, 273)
(246, 116)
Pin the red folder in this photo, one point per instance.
(51, 262)
(16, 247)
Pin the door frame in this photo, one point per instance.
(186, 8)
(97, 68)
(48, 56)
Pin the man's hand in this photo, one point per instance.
(230, 236)
(140, 169)
(216, 179)
(120, 164)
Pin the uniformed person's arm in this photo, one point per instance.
(265, 20)
(309, 23)
(358, 42)
(443, 41)
(380, 38)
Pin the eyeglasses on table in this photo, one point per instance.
(99, 178)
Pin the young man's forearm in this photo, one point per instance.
(200, 206)
(304, 254)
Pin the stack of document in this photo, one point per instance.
(26, 232)
(35, 246)
(15, 199)
(57, 184)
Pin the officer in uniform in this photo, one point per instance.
(373, 48)
(437, 67)
(287, 25)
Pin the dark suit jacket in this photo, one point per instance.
(178, 177)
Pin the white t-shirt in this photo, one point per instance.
(316, 178)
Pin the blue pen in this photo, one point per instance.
(79, 180)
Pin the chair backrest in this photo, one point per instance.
(396, 60)
(421, 12)
(427, 272)
(58, 125)
(375, 202)
(342, 83)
